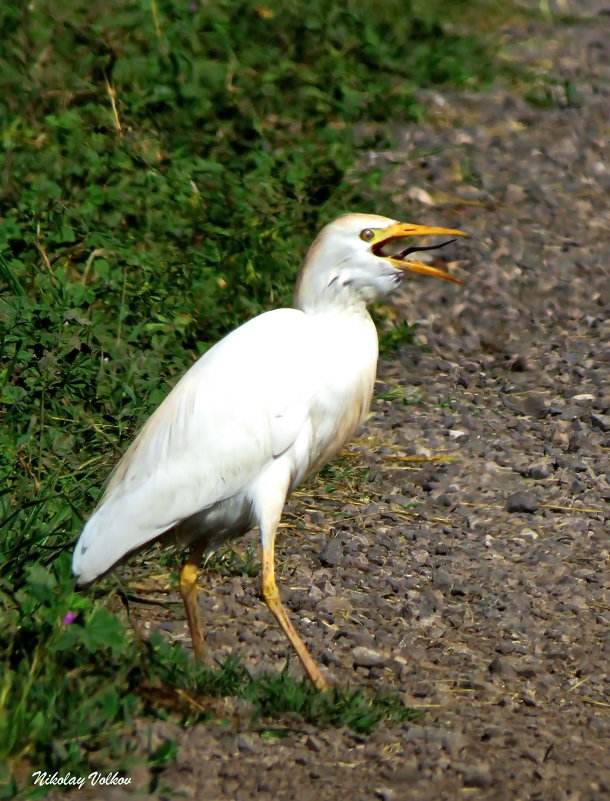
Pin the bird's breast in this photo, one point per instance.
(345, 367)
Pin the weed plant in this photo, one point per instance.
(166, 163)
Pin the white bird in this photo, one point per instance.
(266, 406)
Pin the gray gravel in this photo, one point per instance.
(476, 585)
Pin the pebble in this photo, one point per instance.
(514, 194)
(501, 666)
(478, 776)
(332, 553)
(527, 670)
(442, 579)
(539, 470)
(521, 502)
(360, 562)
(334, 605)
(601, 421)
(535, 404)
(405, 773)
(420, 195)
(367, 657)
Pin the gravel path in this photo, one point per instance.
(476, 584)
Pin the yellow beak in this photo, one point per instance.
(402, 230)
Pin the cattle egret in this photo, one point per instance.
(261, 410)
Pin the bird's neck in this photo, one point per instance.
(338, 302)
(344, 331)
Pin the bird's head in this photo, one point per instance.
(360, 258)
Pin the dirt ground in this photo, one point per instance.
(476, 585)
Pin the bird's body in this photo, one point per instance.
(265, 407)
(197, 470)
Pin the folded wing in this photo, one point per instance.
(240, 406)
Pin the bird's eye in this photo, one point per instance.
(367, 235)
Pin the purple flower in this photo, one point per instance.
(69, 618)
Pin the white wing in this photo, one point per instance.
(242, 404)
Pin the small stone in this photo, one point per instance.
(521, 502)
(329, 657)
(561, 439)
(534, 404)
(514, 194)
(313, 743)
(406, 773)
(422, 690)
(500, 666)
(367, 657)
(315, 594)
(492, 731)
(334, 605)
(454, 742)
(599, 725)
(519, 364)
(360, 562)
(140, 777)
(539, 470)
(248, 742)
(477, 776)
(386, 793)
(528, 700)
(527, 670)
(601, 421)
(420, 195)
(442, 579)
(332, 554)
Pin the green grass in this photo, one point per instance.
(234, 560)
(166, 164)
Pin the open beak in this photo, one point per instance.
(386, 246)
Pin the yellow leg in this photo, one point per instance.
(271, 597)
(188, 591)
